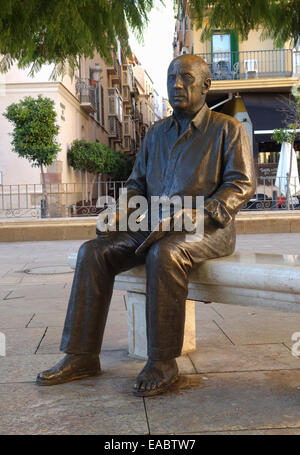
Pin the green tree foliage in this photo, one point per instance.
(279, 18)
(97, 158)
(35, 130)
(35, 32)
(292, 114)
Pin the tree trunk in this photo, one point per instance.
(45, 196)
(90, 196)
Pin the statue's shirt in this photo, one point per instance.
(212, 158)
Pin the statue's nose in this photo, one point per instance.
(178, 82)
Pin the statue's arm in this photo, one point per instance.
(238, 183)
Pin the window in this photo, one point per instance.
(224, 47)
(102, 105)
(98, 104)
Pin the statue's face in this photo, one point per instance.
(187, 85)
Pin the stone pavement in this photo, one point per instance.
(242, 379)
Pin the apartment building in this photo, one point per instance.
(144, 99)
(158, 106)
(167, 108)
(102, 103)
(251, 80)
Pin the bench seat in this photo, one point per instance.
(270, 281)
(267, 280)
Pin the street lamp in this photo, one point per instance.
(96, 72)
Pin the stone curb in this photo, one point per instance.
(84, 228)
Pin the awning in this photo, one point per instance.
(266, 111)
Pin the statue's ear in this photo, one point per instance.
(206, 85)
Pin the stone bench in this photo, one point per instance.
(271, 281)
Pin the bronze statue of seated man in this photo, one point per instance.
(194, 152)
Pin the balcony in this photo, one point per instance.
(128, 128)
(252, 64)
(115, 70)
(115, 128)
(87, 95)
(126, 94)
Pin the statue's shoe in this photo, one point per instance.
(71, 368)
(155, 378)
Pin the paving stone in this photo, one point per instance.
(119, 364)
(226, 310)
(209, 334)
(115, 335)
(243, 358)
(51, 342)
(17, 321)
(260, 328)
(273, 432)
(227, 402)
(5, 290)
(12, 306)
(22, 341)
(10, 279)
(54, 319)
(24, 368)
(91, 406)
(206, 312)
(40, 291)
(116, 331)
(46, 279)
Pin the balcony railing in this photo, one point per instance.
(251, 64)
(87, 95)
(115, 128)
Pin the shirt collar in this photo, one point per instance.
(199, 121)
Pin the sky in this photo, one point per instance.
(156, 53)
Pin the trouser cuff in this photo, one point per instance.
(163, 354)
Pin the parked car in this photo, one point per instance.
(258, 202)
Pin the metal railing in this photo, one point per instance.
(251, 64)
(82, 199)
(275, 194)
(63, 199)
(86, 92)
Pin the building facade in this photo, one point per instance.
(251, 80)
(111, 104)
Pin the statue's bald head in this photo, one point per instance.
(194, 60)
(188, 83)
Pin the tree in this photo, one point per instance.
(280, 19)
(97, 158)
(35, 131)
(58, 31)
(289, 134)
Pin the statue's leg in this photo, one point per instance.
(168, 264)
(98, 262)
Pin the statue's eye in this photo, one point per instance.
(188, 77)
(171, 77)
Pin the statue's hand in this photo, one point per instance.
(109, 221)
(185, 220)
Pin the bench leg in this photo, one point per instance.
(137, 340)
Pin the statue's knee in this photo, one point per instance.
(87, 249)
(161, 252)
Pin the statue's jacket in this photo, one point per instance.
(213, 159)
